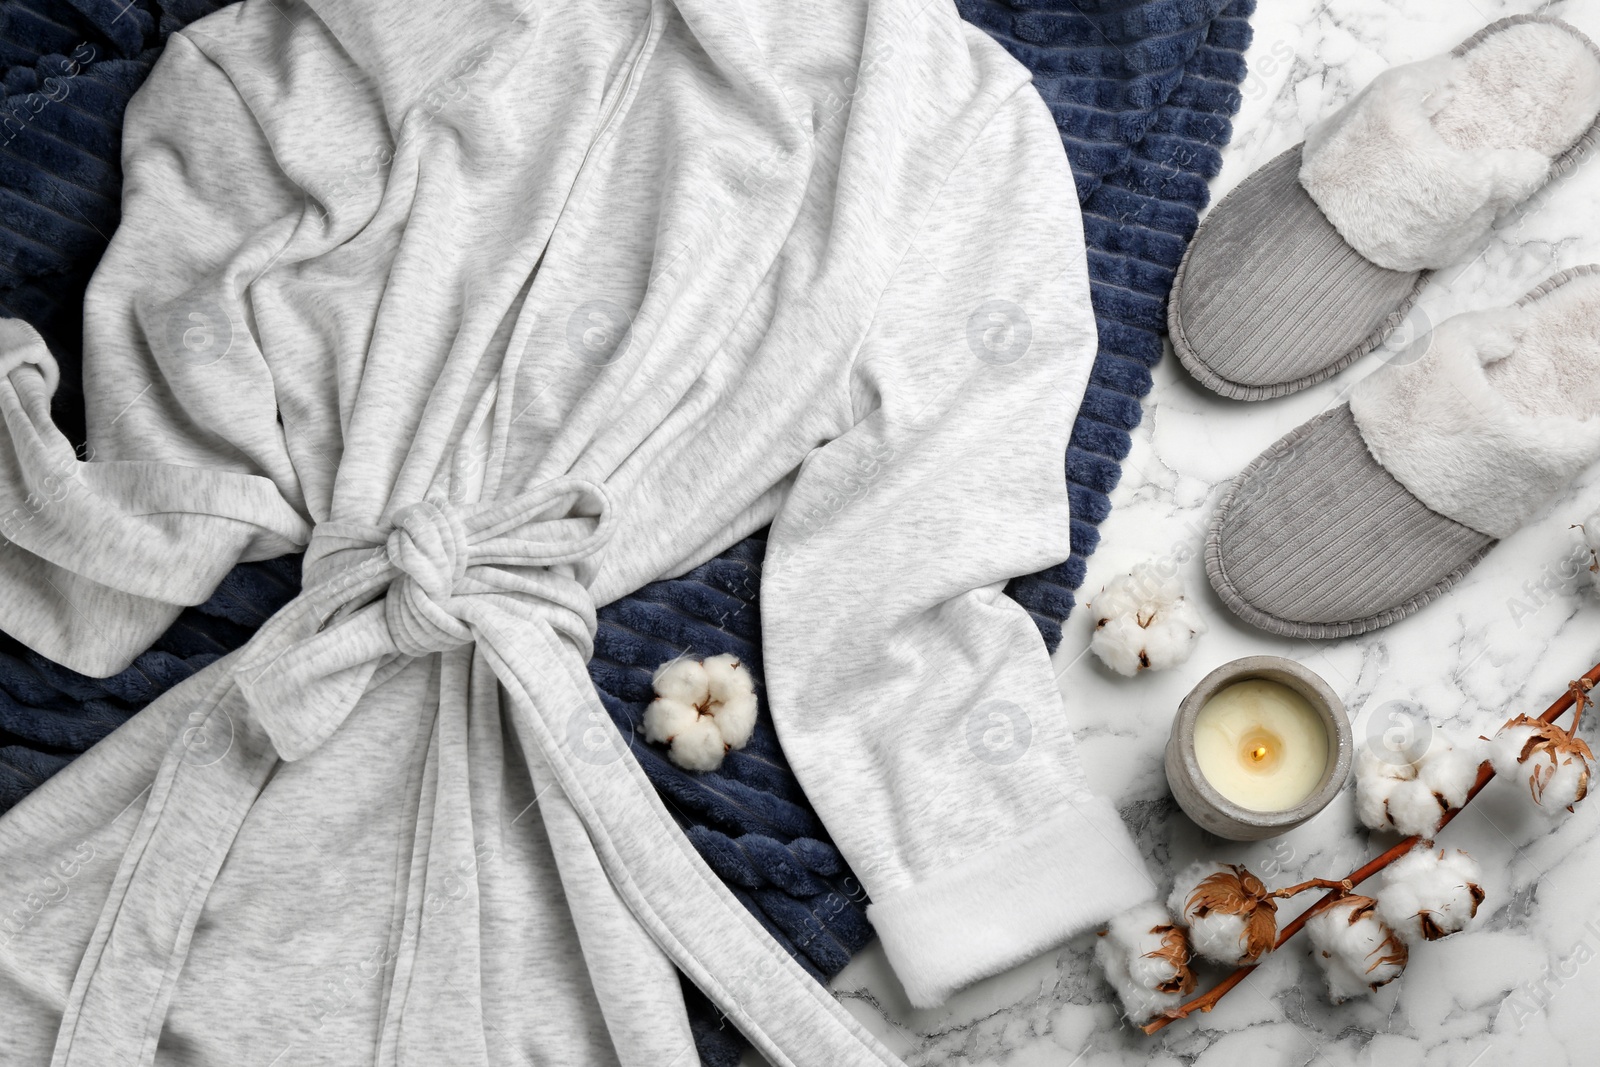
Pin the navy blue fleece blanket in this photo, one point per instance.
(1143, 92)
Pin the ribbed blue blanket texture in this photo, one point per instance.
(1143, 92)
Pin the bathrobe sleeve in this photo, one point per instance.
(185, 472)
(914, 699)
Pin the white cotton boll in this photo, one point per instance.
(1119, 635)
(1390, 796)
(702, 709)
(699, 746)
(727, 678)
(1119, 642)
(1450, 767)
(1219, 937)
(1393, 794)
(733, 698)
(1139, 1002)
(1356, 949)
(1229, 913)
(1565, 780)
(1375, 779)
(1505, 749)
(1371, 804)
(683, 680)
(1413, 808)
(736, 718)
(1171, 638)
(1151, 969)
(666, 718)
(1143, 621)
(1553, 764)
(1123, 595)
(1429, 894)
(1144, 957)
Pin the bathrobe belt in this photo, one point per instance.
(512, 578)
(378, 595)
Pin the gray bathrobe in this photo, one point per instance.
(502, 312)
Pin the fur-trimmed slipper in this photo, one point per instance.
(1314, 258)
(1371, 510)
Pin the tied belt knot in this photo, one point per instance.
(377, 596)
(429, 547)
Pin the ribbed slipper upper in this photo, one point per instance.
(1315, 539)
(1271, 299)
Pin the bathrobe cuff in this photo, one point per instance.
(1011, 902)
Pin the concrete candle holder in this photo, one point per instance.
(1211, 810)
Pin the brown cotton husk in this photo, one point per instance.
(1174, 951)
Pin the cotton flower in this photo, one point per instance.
(1450, 766)
(698, 746)
(1144, 622)
(1555, 764)
(684, 681)
(1146, 959)
(702, 709)
(1427, 895)
(1411, 797)
(1356, 949)
(1231, 917)
(733, 698)
(1390, 797)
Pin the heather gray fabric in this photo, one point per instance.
(504, 311)
(1269, 299)
(1315, 539)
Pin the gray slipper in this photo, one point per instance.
(1371, 510)
(1313, 259)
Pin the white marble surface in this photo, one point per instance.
(1519, 988)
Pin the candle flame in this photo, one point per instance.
(1259, 752)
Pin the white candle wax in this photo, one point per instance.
(1261, 744)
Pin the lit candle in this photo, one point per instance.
(1261, 744)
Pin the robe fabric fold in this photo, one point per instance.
(503, 315)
